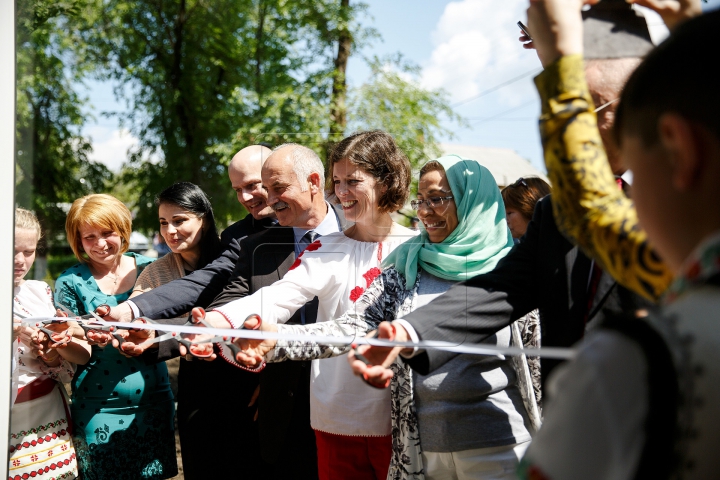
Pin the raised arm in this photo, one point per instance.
(589, 207)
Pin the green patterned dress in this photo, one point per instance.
(122, 408)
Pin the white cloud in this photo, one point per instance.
(110, 145)
(477, 47)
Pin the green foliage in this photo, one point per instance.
(202, 79)
(394, 101)
(52, 165)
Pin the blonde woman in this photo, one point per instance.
(122, 407)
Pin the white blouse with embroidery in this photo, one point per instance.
(33, 298)
(337, 270)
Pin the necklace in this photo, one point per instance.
(187, 266)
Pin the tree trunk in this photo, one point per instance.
(338, 112)
(262, 12)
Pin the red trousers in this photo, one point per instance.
(343, 457)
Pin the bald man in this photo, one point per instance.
(244, 173)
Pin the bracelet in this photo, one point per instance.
(46, 359)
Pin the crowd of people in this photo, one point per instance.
(320, 254)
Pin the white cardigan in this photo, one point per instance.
(336, 269)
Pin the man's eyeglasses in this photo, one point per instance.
(520, 181)
(432, 202)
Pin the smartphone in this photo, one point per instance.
(524, 29)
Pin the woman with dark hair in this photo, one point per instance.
(370, 178)
(187, 224)
(520, 199)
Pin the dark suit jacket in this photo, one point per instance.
(284, 403)
(201, 287)
(212, 396)
(543, 271)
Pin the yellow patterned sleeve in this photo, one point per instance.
(589, 208)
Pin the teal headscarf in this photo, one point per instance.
(479, 241)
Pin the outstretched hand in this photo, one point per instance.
(673, 12)
(135, 341)
(200, 317)
(254, 351)
(378, 373)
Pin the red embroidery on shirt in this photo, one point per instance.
(313, 246)
(296, 263)
(355, 293)
(371, 275)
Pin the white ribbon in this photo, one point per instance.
(474, 349)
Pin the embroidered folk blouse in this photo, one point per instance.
(337, 270)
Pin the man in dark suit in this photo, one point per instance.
(287, 442)
(200, 287)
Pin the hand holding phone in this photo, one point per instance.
(525, 30)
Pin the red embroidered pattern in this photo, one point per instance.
(371, 275)
(296, 263)
(314, 246)
(39, 441)
(355, 293)
(47, 469)
(310, 248)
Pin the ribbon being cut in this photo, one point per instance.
(222, 335)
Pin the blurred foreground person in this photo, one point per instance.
(642, 398)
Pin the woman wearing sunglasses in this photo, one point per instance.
(468, 418)
(520, 199)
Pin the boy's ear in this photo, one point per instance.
(683, 146)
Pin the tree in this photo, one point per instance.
(393, 100)
(52, 165)
(203, 78)
(338, 118)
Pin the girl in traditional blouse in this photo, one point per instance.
(469, 417)
(122, 407)
(40, 425)
(371, 178)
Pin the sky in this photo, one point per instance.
(466, 47)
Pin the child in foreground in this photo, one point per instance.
(641, 398)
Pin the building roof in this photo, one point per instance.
(505, 164)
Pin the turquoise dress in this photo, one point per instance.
(122, 408)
